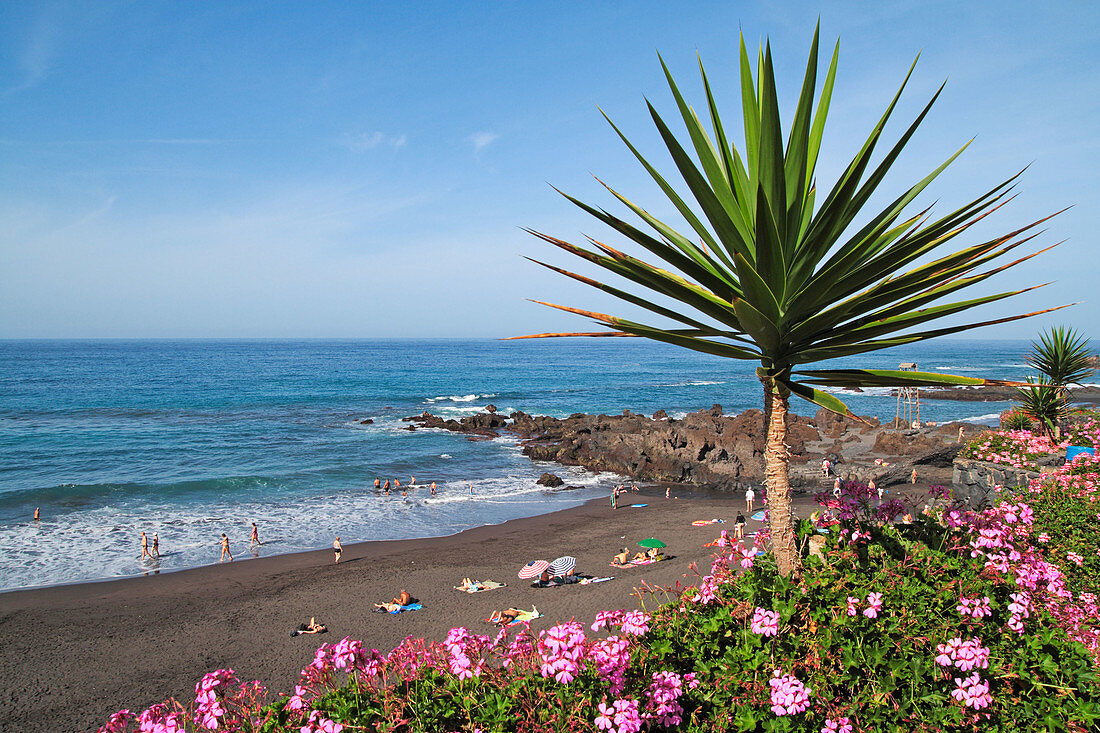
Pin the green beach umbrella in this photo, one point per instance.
(652, 542)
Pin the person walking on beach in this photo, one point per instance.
(668, 491)
(739, 526)
(145, 547)
(156, 546)
(254, 539)
(225, 549)
(750, 496)
(913, 476)
(615, 497)
(962, 434)
(337, 548)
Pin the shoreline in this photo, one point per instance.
(242, 555)
(76, 653)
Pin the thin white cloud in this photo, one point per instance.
(364, 141)
(481, 139)
(36, 57)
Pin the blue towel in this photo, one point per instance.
(1075, 450)
(410, 607)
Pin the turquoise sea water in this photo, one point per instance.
(189, 439)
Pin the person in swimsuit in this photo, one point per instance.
(337, 548)
(225, 549)
(739, 526)
(621, 558)
(145, 547)
(37, 517)
(471, 488)
(433, 488)
(254, 540)
(386, 487)
(377, 484)
(311, 628)
(750, 495)
(156, 546)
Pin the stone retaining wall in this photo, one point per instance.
(975, 480)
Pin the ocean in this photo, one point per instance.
(188, 439)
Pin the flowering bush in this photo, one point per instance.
(985, 619)
(1014, 448)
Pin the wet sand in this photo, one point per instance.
(72, 655)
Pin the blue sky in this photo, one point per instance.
(363, 169)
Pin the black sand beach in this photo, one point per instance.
(72, 655)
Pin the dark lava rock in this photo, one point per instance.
(549, 479)
(368, 421)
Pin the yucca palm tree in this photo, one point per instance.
(1062, 357)
(770, 272)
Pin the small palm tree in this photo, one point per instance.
(774, 273)
(1063, 358)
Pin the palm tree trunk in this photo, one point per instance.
(777, 481)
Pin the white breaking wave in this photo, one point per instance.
(692, 383)
(460, 398)
(104, 542)
(993, 417)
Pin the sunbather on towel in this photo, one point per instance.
(510, 615)
(311, 628)
(622, 558)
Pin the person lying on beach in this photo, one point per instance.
(389, 607)
(506, 616)
(621, 558)
(509, 615)
(311, 628)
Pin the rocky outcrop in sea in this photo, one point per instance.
(709, 448)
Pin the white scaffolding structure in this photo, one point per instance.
(908, 399)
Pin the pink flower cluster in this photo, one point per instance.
(1020, 608)
(662, 699)
(840, 725)
(1016, 448)
(561, 648)
(317, 723)
(975, 607)
(789, 696)
(463, 648)
(874, 605)
(765, 622)
(966, 655)
(208, 704)
(619, 717)
(972, 692)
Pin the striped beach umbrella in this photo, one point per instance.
(563, 565)
(533, 569)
